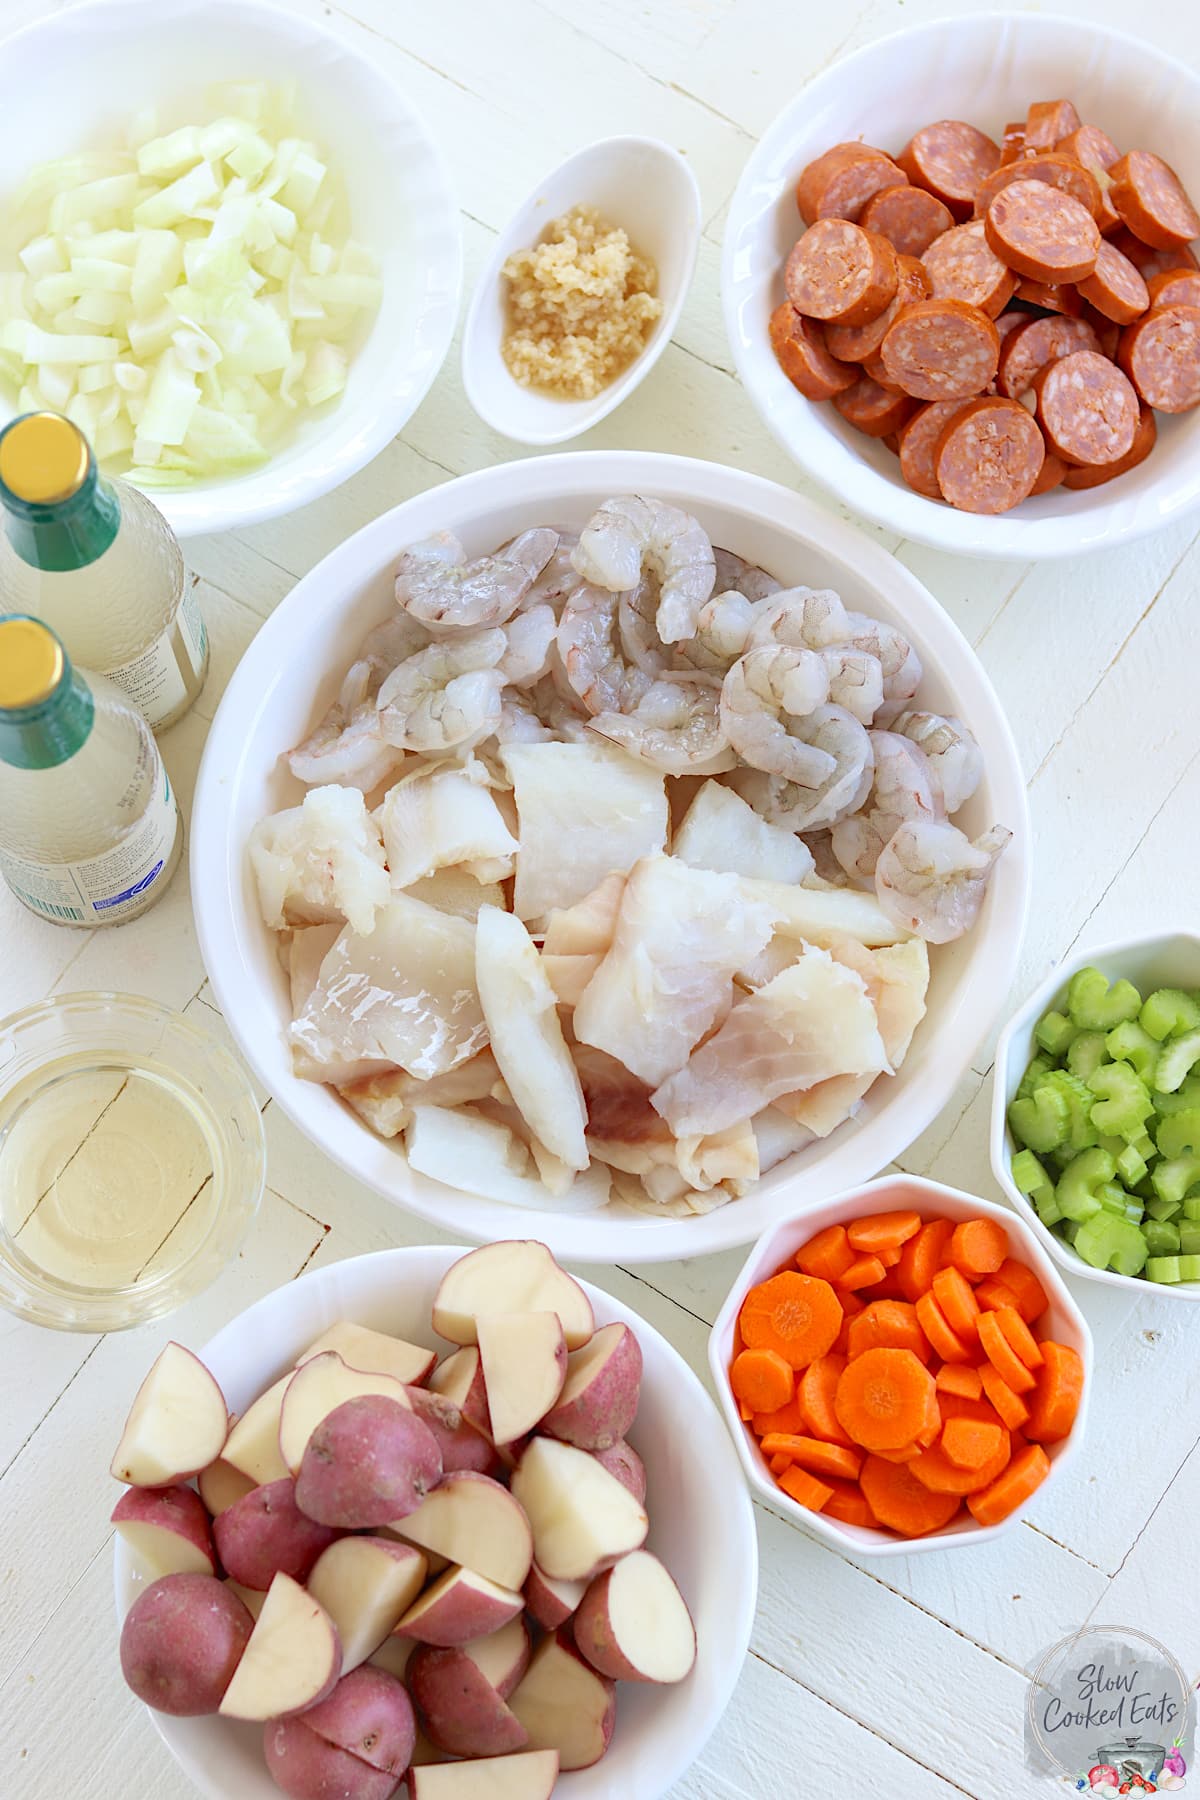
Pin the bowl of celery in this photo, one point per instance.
(1096, 1113)
(229, 251)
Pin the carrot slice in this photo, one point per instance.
(811, 1453)
(970, 1444)
(958, 1406)
(1031, 1295)
(762, 1379)
(956, 1297)
(1001, 1354)
(805, 1489)
(934, 1470)
(978, 1247)
(779, 1464)
(904, 1454)
(889, 1255)
(849, 1505)
(1023, 1476)
(993, 1293)
(888, 1325)
(883, 1398)
(797, 1315)
(827, 1255)
(921, 1257)
(1010, 1406)
(1019, 1336)
(863, 1271)
(1057, 1393)
(948, 1345)
(745, 1413)
(784, 1418)
(900, 1501)
(883, 1231)
(818, 1387)
(953, 1378)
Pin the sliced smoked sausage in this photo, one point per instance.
(799, 346)
(839, 184)
(1049, 121)
(1024, 353)
(1053, 474)
(1056, 297)
(1097, 152)
(1115, 286)
(1161, 356)
(1152, 262)
(941, 350)
(859, 343)
(908, 217)
(1012, 144)
(962, 265)
(872, 409)
(1144, 441)
(919, 440)
(1175, 287)
(950, 159)
(838, 271)
(1050, 166)
(1086, 408)
(1149, 196)
(989, 456)
(1042, 232)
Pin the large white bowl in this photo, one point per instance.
(1062, 1321)
(1164, 959)
(76, 79)
(293, 669)
(986, 68)
(701, 1521)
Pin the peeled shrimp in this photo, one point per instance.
(899, 661)
(954, 757)
(346, 748)
(530, 641)
(676, 727)
(802, 617)
(855, 681)
(902, 789)
(722, 632)
(763, 696)
(447, 695)
(558, 578)
(736, 575)
(628, 537)
(931, 878)
(637, 629)
(386, 646)
(436, 583)
(593, 660)
(842, 782)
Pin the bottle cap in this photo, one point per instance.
(32, 663)
(44, 458)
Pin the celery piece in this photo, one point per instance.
(1163, 1268)
(1076, 1192)
(1162, 1238)
(1186, 1096)
(1179, 1135)
(1040, 1122)
(1162, 1209)
(1115, 1200)
(1128, 1043)
(1176, 1061)
(1087, 1051)
(1040, 1065)
(1191, 1207)
(1055, 1033)
(1081, 1131)
(1189, 1236)
(1131, 1166)
(1067, 1231)
(1168, 1012)
(1173, 1178)
(1108, 1242)
(1189, 1268)
(1094, 1006)
(1034, 1182)
(1123, 1105)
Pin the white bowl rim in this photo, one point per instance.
(1001, 1146)
(204, 509)
(862, 488)
(739, 1537)
(591, 413)
(857, 1542)
(595, 1237)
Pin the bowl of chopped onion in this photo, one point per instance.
(229, 251)
(516, 935)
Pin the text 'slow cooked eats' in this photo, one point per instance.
(1008, 317)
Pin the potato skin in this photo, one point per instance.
(265, 1532)
(306, 1767)
(606, 1405)
(176, 1509)
(596, 1637)
(623, 1461)
(462, 1712)
(368, 1463)
(461, 1444)
(182, 1639)
(369, 1715)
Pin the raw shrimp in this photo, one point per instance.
(722, 632)
(436, 583)
(899, 661)
(518, 722)
(387, 646)
(636, 624)
(763, 696)
(447, 695)
(589, 645)
(903, 788)
(736, 575)
(530, 641)
(629, 536)
(955, 759)
(803, 618)
(558, 578)
(676, 727)
(841, 787)
(931, 878)
(855, 681)
(347, 749)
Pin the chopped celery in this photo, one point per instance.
(1162, 1209)
(1176, 1061)
(1087, 1051)
(1054, 1033)
(1039, 1066)
(1114, 1199)
(1041, 1121)
(1128, 1043)
(1173, 1178)
(1068, 1231)
(1076, 1192)
(1162, 1238)
(1168, 1012)
(1094, 1006)
(1189, 1268)
(1185, 1096)
(1189, 1236)
(1034, 1182)
(1108, 1242)
(1131, 1166)
(1123, 1105)
(1179, 1135)
(1191, 1207)
(1081, 1132)
(1163, 1268)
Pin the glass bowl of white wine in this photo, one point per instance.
(132, 1161)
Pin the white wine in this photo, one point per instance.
(98, 563)
(89, 828)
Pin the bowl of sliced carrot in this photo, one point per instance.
(902, 1368)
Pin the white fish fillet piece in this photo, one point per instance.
(586, 929)
(406, 994)
(457, 1146)
(812, 1022)
(386, 1101)
(821, 914)
(722, 1156)
(454, 891)
(667, 978)
(585, 810)
(306, 953)
(720, 831)
(434, 821)
(778, 1137)
(319, 861)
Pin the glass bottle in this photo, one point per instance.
(89, 829)
(100, 565)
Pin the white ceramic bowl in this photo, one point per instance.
(639, 183)
(987, 68)
(1063, 1321)
(702, 1528)
(1166, 959)
(104, 61)
(292, 670)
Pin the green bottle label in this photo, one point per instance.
(65, 534)
(42, 736)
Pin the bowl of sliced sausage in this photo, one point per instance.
(981, 330)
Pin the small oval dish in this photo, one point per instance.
(638, 183)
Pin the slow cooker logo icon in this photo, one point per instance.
(1112, 1711)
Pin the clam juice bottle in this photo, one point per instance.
(89, 828)
(99, 564)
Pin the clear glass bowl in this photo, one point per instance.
(132, 1161)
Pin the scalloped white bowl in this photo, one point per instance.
(987, 68)
(703, 1528)
(104, 61)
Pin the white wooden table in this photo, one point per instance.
(905, 1679)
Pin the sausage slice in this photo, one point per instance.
(989, 456)
(839, 184)
(838, 271)
(908, 217)
(950, 159)
(1042, 232)
(941, 350)
(1150, 198)
(799, 346)
(962, 265)
(1024, 353)
(1161, 356)
(1115, 286)
(1086, 408)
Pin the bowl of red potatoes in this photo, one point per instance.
(427, 1523)
(902, 1368)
